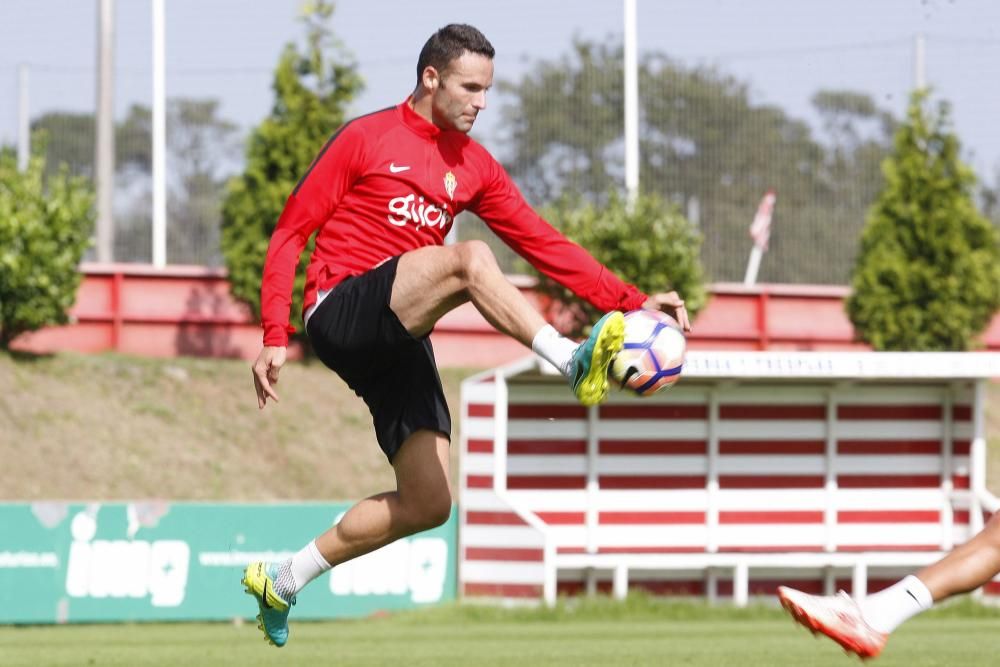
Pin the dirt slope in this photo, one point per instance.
(112, 427)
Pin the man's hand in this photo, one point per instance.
(265, 373)
(671, 304)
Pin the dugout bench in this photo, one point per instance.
(820, 470)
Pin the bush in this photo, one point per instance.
(45, 228)
(311, 96)
(928, 273)
(652, 246)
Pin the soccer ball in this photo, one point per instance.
(653, 355)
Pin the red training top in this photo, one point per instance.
(391, 182)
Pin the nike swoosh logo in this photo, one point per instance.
(263, 596)
(394, 169)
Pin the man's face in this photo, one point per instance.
(460, 93)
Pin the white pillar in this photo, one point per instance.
(741, 584)
(104, 144)
(712, 585)
(23, 119)
(829, 580)
(619, 587)
(830, 465)
(977, 458)
(859, 582)
(159, 139)
(631, 104)
(919, 62)
(551, 574)
(593, 481)
(712, 477)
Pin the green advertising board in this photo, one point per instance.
(68, 562)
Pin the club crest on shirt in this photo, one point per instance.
(450, 183)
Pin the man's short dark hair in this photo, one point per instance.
(448, 44)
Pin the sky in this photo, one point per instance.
(785, 49)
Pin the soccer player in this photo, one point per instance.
(863, 628)
(383, 193)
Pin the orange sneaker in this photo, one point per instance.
(836, 616)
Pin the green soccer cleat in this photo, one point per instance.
(258, 580)
(589, 365)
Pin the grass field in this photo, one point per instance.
(600, 632)
(115, 427)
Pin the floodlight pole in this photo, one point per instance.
(23, 122)
(159, 140)
(919, 62)
(104, 144)
(631, 105)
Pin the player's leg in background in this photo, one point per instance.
(864, 627)
(968, 566)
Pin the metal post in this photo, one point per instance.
(712, 585)
(741, 584)
(712, 472)
(829, 580)
(619, 585)
(593, 481)
(977, 458)
(500, 433)
(23, 119)
(631, 104)
(159, 140)
(590, 581)
(830, 464)
(104, 145)
(947, 469)
(919, 62)
(859, 581)
(550, 581)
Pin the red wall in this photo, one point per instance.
(136, 309)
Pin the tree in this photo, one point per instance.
(311, 95)
(704, 144)
(197, 138)
(928, 272)
(45, 227)
(650, 243)
(70, 141)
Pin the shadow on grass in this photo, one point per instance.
(23, 357)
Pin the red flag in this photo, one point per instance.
(760, 228)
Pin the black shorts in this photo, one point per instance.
(355, 333)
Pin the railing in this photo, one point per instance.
(189, 310)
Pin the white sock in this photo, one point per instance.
(299, 570)
(556, 349)
(886, 610)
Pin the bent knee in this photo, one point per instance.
(475, 258)
(992, 528)
(432, 514)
